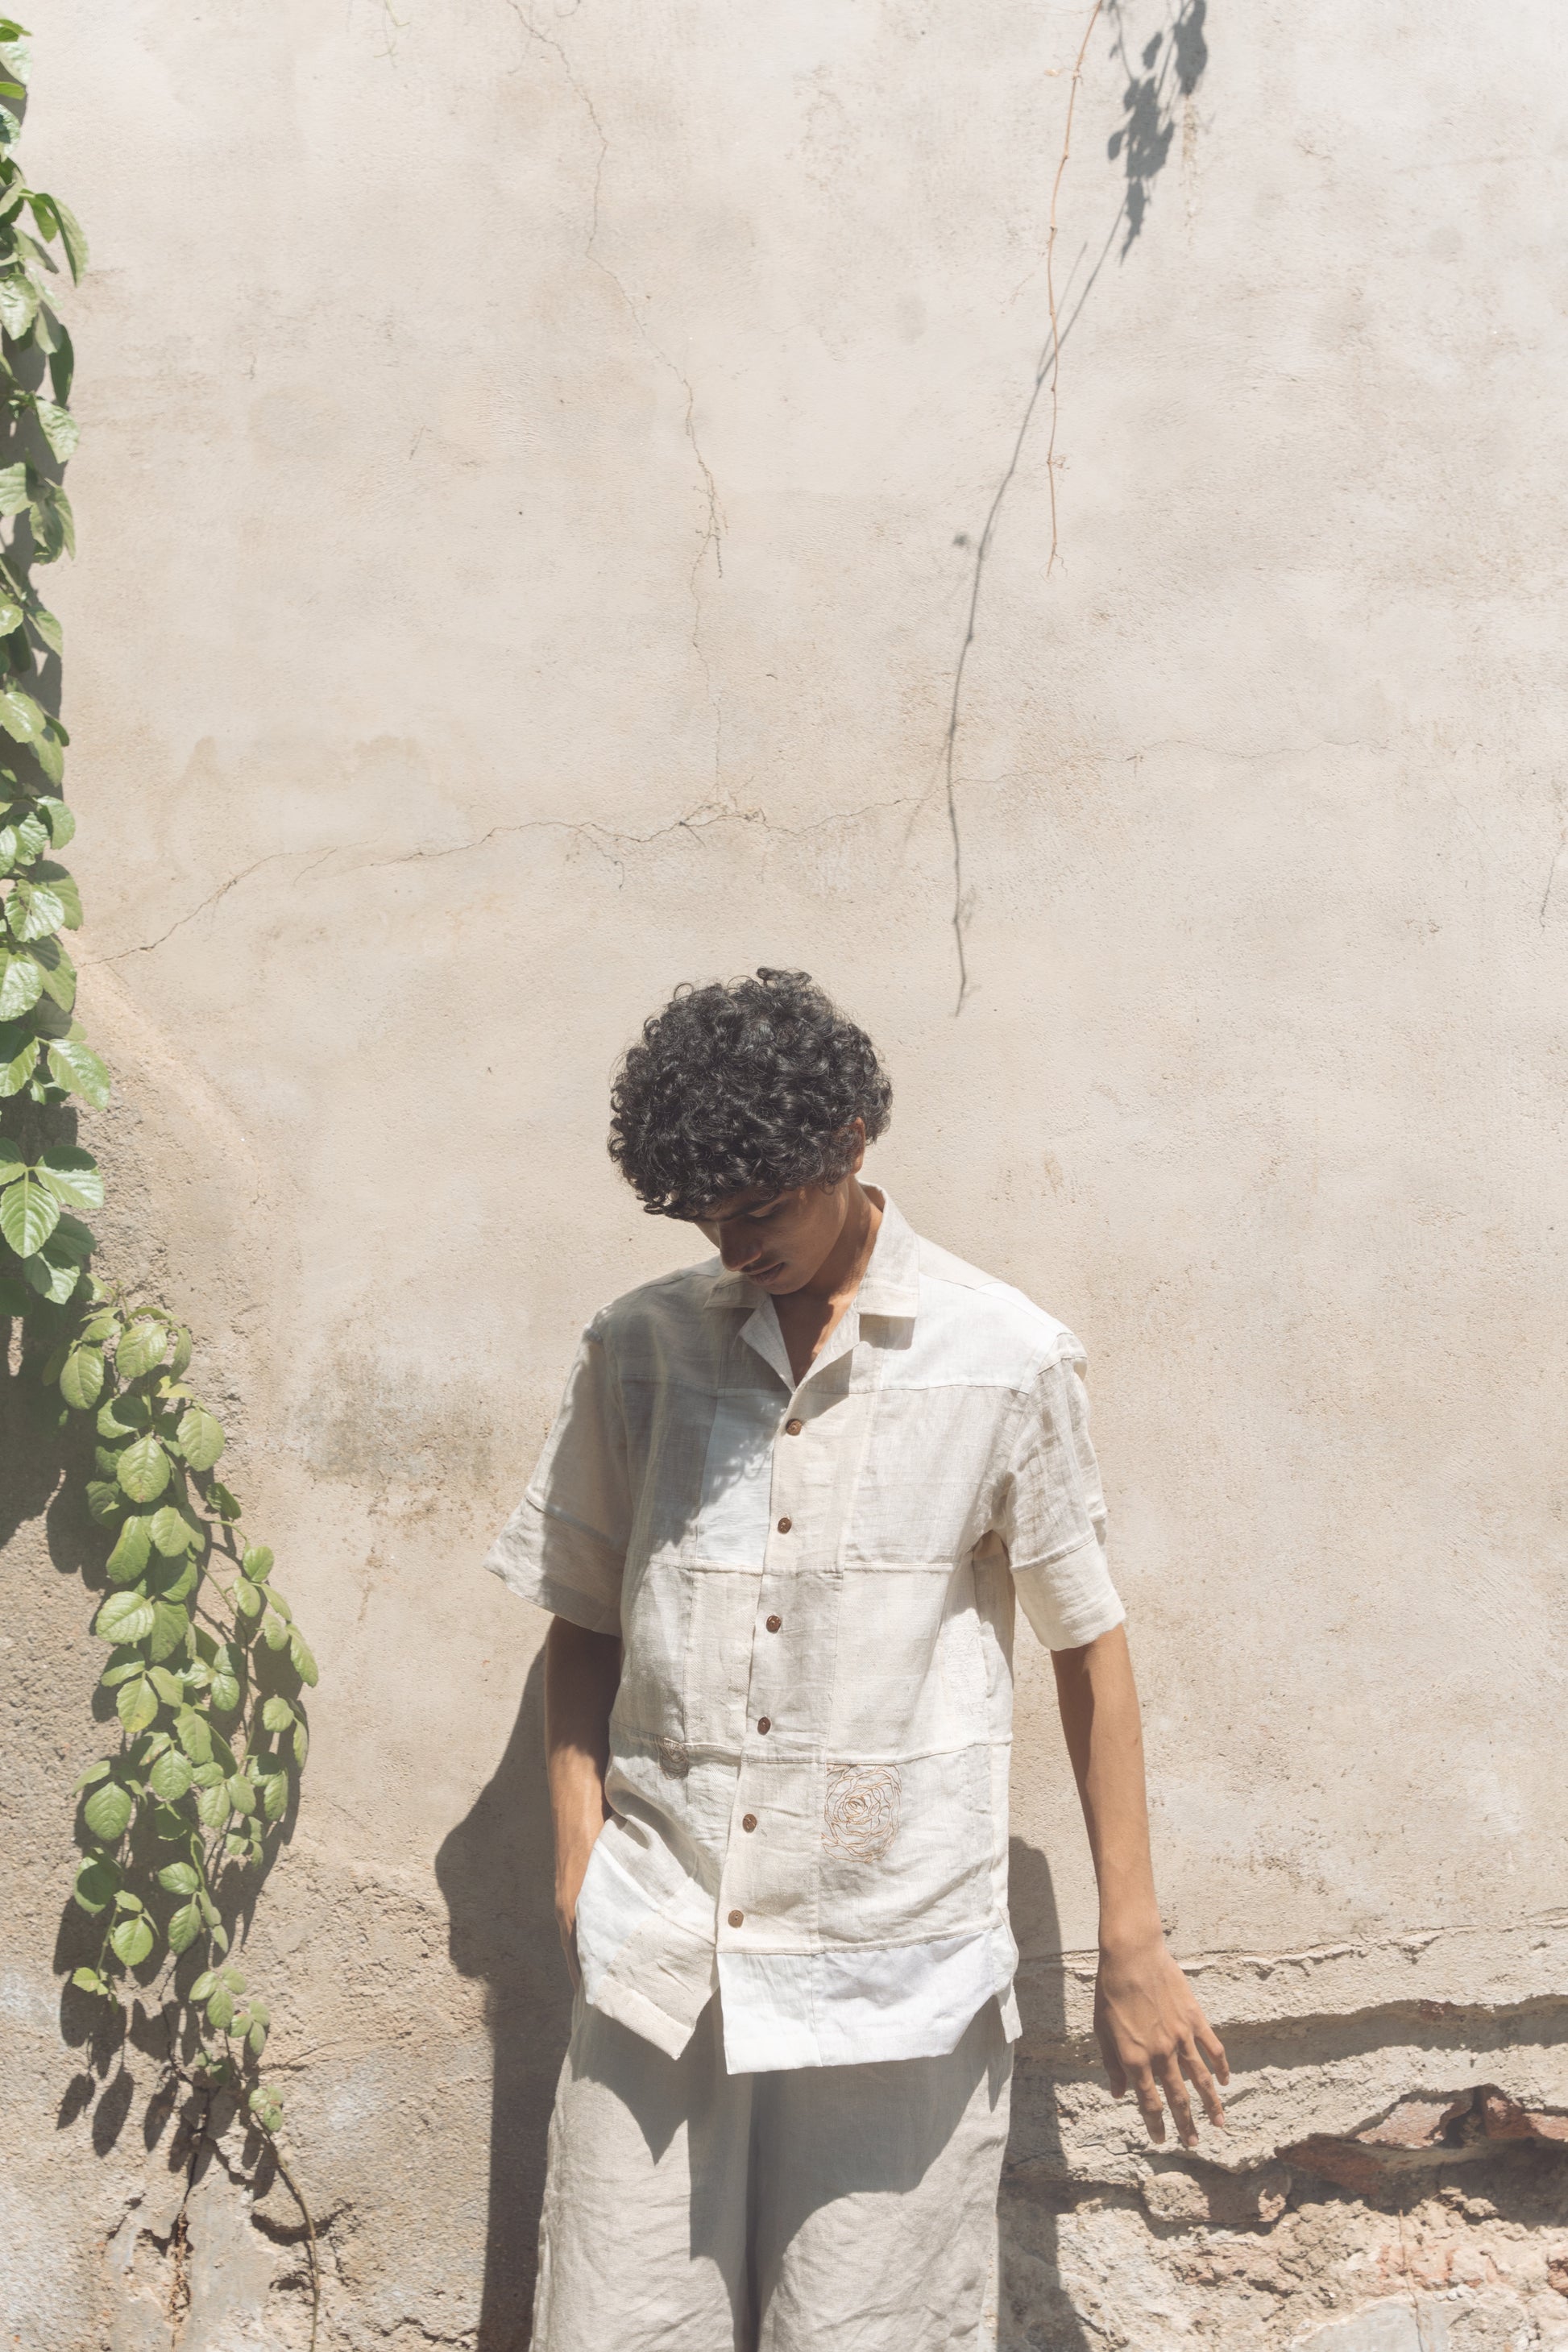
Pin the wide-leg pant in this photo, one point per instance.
(828, 2209)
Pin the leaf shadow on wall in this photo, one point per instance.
(497, 1872)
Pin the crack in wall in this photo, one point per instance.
(712, 536)
(607, 839)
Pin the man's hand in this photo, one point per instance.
(1152, 2033)
(582, 1671)
(1151, 2028)
(571, 1869)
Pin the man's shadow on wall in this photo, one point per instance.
(495, 1870)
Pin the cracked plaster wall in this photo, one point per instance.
(534, 471)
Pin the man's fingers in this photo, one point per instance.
(1213, 2048)
(1145, 2090)
(1114, 2068)
(1180, 2104)
(1202, 2082)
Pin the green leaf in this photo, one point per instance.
(179, 1878)
(70, 234)
(304, 1663)
(53, 1273)
(28, 1214)
(213, 1806)
(137, 1705)
(172, 1531)
(74, 1065)
(174, 1577)
(104, 1500)
(277, 1714)
(53, 524)
(21, 983)
(274, 1794)
(241, 1795)
(72, 1176)
(220, 2008)
(132, 1545)
(200, 1437)
(225, 1692)
(32, 911)
(108, 1811)
(59, 980)
(20, 715)
(184, 1926)
(81, 1381)
(225, 1505)
(124, 1617)
(302, 1745)
(203, 1987)
(248, 1601)
(276, 1633)
(61, 886)
(59, 428)
(94, 1772)
(257, 1563)
(18, 295)
(12, 1163)
(170, 1775)
(132, 1939)
(14, 489)
(90, 1981)
(194, 1733)
(97, 1883)
(62, 357)
(143, 1466)
(18, 1057)
(122, 1416)
(141, 1346)
(171, 1623)
(168, 1686)
(255, 2040)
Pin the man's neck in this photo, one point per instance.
(840, 1274)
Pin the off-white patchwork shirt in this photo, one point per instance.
(815, 1585)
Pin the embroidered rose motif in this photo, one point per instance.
(862, 1810)
(674, 1759)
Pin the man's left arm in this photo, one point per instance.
(1151, 2029)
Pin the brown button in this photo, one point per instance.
(747, 1821)
(794, 1428)
(764, 1723)
(736, 1918)
(785, 1525)
(773, 1625)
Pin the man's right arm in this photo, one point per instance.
(581, 1672)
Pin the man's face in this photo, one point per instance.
(778, 1240)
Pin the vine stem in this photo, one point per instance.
(1050, 270)
(309, 2235)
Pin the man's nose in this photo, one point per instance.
(735, 1246)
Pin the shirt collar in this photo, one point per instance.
(889, 1286)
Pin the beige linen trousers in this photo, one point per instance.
(815, 2208)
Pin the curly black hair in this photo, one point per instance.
(743, 1082)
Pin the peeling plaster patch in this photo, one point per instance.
(31, 2004)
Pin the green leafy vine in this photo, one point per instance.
(206, 1667)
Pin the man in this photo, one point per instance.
(781, 1521)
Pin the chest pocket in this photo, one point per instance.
(731, 1526)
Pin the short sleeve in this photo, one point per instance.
(1050, 1512)
(565, 1547)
